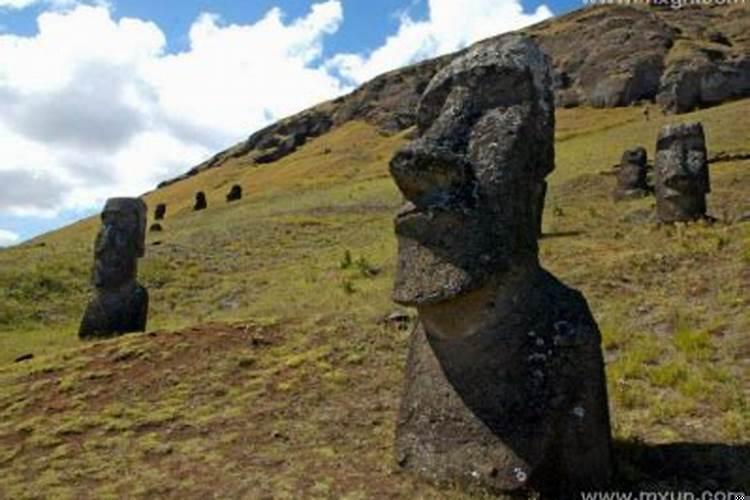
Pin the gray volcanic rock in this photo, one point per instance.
(120, 304)
(682, 178)
(632, 175)
(505, 380)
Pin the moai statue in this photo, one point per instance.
(200, 201)
(235, 193)
(632, 175)
(160, 211)
(505, 384)
(120, 303)
(682, 179)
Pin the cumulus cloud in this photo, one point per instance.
(95, 107)
(450, 26)
(8, 238)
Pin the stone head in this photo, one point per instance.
(474, 179)
(682, 162)
(120, 242)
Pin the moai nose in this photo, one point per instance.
(427, 176)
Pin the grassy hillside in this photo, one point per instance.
(290, 384)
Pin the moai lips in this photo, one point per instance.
(120, 304)
(505, 381)
(682, 177)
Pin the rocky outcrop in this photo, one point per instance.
(120, 303)
(505, 380)
(603, 56)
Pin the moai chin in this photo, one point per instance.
(120, 303)
(632, 175)
(682, 179)
(505, 384)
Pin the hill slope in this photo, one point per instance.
(603, 56)
(291, 387)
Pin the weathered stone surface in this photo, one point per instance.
(681, 172)
(120, 304)
(632, 175)
(235, 193)
(200, 201)
(505, 380)
(160, 211)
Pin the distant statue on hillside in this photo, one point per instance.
(235, 193)
(120, 303)
(681, 171)
(505, 385)
(200, 201)
(160, 211)
(632, 175)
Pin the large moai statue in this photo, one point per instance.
(120, 303)
(632, 175)
(682, 179)
(505, 384)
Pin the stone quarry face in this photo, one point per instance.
(682, 176)
(486, 123)
(120, 242)
(505, 382)
(119, 304)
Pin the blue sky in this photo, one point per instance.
(107, 99)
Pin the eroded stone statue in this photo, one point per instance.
(632, 175)
(120, 303)
(200, 201)
(235, 193)
(681, 168)
(505, 382)
(160, 211)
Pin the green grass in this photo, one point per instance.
(299, 396)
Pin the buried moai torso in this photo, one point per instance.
(681, 168)
(119, 304)
(504, 381)
(632, 175)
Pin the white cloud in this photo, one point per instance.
(451, 25)
(94, 107)
(8, 238)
